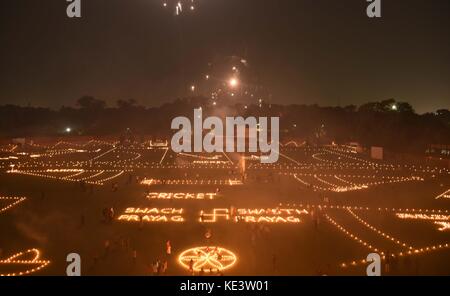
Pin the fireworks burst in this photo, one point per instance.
(180, 6)
(230, 78)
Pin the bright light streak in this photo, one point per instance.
(233, 82)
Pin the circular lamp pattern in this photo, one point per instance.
(207, 259)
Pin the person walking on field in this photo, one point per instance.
(387, 265)
(191, 266)
(107, 247)
(164, 267)
(155, 268)
(134, 256)
(168, 248)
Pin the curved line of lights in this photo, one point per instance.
(13, 260)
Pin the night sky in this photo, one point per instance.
(305, 51)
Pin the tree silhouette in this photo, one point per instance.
(379, 123)
(126, 104)
(88, 102)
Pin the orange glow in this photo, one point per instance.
(207, 258)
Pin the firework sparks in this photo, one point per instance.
(230, 77)
(180, 6)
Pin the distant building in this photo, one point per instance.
(438, 151)
(159, 143)
(354, 147)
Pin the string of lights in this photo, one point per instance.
(339, 188)
(351, 235)
(89, 179)
(230, 182)
(383, 234)
(446, 194)
(15, 200)
(35, 263)
(361, 208)
(421, 251)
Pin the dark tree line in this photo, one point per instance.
(391, 124)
